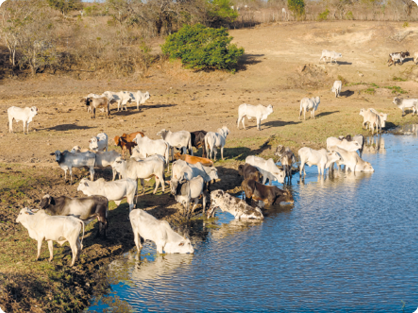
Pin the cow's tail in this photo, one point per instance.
(82, 237)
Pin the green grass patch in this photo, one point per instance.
(399, 79)
(396, 89)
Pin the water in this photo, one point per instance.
(348, 244)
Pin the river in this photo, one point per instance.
(346, 245)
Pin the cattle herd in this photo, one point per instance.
(61, 218)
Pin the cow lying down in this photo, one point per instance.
(148, 227)
(267, 194)
(237, 207)
(52, 228)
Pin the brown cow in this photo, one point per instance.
(126, 141)
(268, 194)
(193, 159)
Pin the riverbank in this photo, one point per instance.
(181, 99)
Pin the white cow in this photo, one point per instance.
(93, 95)
(121, 97)
(383, 117)
(237, 207)
(147, 147)
(343, 143)
(321, 158)
(267, 168)
(370, 117)
(148, 227)
(139, 97)
(99, 143)
(67, 160)
(180, 140)
(260, 112)
(183, 170)
(352, 161)
(307, 104)
(142, 170)
(330, 55)
(53, 228)
(406, 104)
(216, 140)
(113, 191)
(337, 88)
(25, 115)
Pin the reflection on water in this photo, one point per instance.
(346, 245)
(374, 144)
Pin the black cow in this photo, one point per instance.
(198, 140)
(86, 209)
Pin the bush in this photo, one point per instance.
(323, 16)
(65, 6)
(297, 7)
(202, 47)
(405, 25)
(349, 15)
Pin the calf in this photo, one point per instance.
(216, 140)
(147, 147)
(337, 88)
(287, 158)
(86, 209)
(247, 171)
(126, 141)
(67, 160)
(149, 228)
(139, 97)
(268, 194)
(307, 104)
(198, 140)
(185, 191)
(113, 191)
(397, 56)
(53, 228)
(237, 207)
(99, 142)
(97, 103)
(260, 112)
(193, 159)
(352, 161)
(383, 117)
(25, 115)
(370, 117)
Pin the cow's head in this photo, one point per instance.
(183, 246)
(397, 101)
(33, 111)
(94, 144)
(119, 164)
(279, 151)
(163, 133)
(368, 168)
(117, 140)
(84, 183)
(333, 156)
(76, 149)
(215, 197)
(213, 173)
(288, 197)
(23, 214)
(58, 156)
(46, 201)
(317, 101)
(270, 109)
(175, 186)
(225, 131)
(362, 112)
(405, 54)
(146, 96)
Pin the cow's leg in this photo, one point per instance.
(143, 185)
(92, 173)
(137, 240)
(204, 202)
(258, 123)
(51, 250)
(39, 249)
(24, 127)
(302, 167)
(27, 127)
(74, 250)
(300, 112)
(222, 153)
(215, 152)
(304, 114)
(243, 122)
(239, 120)
(196, 201)
(114, 173)
(157, 183)
(159, 247)
(162, 182)
(71, 175)
(264, 180)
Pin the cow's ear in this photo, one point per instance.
(52, 153)
(51, 201)
(85, 184)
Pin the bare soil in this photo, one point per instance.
(280, 67)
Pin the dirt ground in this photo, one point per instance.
(280, 67)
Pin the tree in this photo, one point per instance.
(297, 7)
(65, 6)
(220, 13)
(202, 47)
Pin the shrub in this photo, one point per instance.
(297, 7)
(399, 79)
(323, 16)
(405, 25)
(202, 47)
(349, 15)
(65, 6)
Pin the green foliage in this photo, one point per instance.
(396, 89)
(405, 25)
(349, 15)
(202, 47)
(65, 6)
(220, 13)
(323, 16)
(399, 79)
(297, 7)
(343, 80)
(370, 91)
